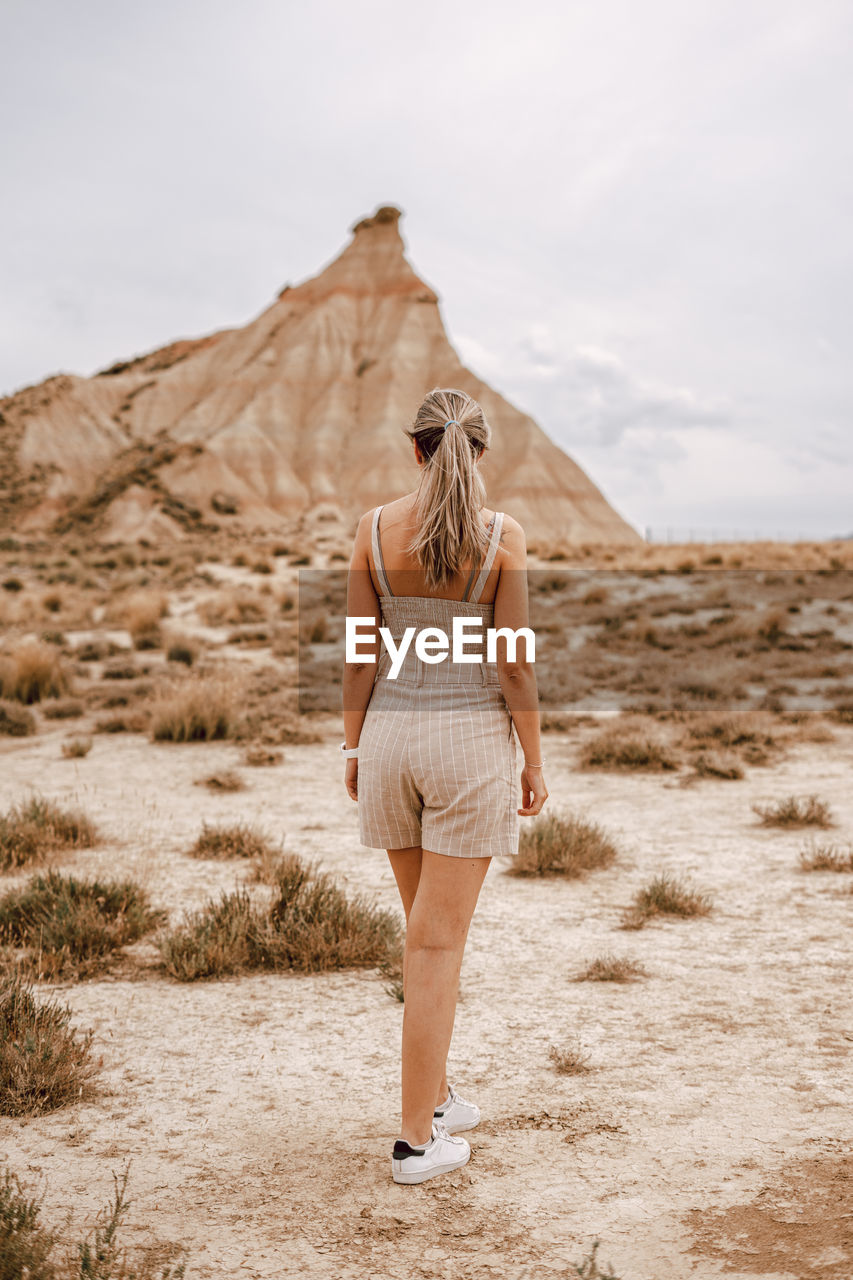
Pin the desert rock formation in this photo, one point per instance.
(297, 414)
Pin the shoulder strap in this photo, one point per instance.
(490, 557)
(378, 562)
(472, 575)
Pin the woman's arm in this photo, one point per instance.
(517, 674)
(358, 677)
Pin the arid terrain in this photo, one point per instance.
(695, 1119)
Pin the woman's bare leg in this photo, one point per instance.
(438, 918)
(406, 865)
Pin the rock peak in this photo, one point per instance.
(385, 214)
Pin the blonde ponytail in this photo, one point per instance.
(451, 432)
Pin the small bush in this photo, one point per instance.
(142, 616)
(795, 811)
(32, 672)
(123, 669)
(589, 1269)
(310, 926)
(609, 968)
(627, 749)
(224, 780)
(563, 845)
(34, 829)
(716, 764)
(238, 841)
(135, 722)
(63, 710)
(76, 748)
(30, 1251)
(570, 1060)
(182, 649)
(44, 1064)
(843, 712)
(16, 721)
(665, 896)
(262, 757)
(201, 710)
(72, 928)
(826, 857)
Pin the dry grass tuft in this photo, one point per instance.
(36, 828)
(33, 671)
(182, 649)
(843, 712)
(143, 614)
(570, 1060)
(627, 749)
(43, 1062)
(223, 780)
(746, 733)
(260, 757)
(717, 764)
(610, 968)
(563, 845)
(795, 811)
(71, 928)
(665, 895)
(68, 710)
(310, 926)
(16, 721)
(76, 748)
(240, 840)
(29, 1249)
(198, 710)
(826, 857)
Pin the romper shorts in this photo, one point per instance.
(437, 752)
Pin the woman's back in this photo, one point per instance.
(396, 571)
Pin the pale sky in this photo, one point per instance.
(638, 213)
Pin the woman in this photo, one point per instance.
(431, 753)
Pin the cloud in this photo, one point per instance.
(589, 392)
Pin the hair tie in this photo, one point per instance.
(451, 422)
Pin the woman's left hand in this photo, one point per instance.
(351, 779)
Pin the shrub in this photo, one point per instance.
(570, 1060)
(199, 710)
(665, 896)
(29, 1249)
(310, 926)
(63, 710)
(72, 928)
(746, 733)
(843, 712)
(627, 749)
(32, 672)
(16, 721)
(795, 811)
(43, 1062)
(76, 748)
(610, 968)
(224, 780)
(182, 649)
(238, 841)
(715, 764)
(826, 857)
(563, 845)
(142, 617)
(260, 757)
(35, 828)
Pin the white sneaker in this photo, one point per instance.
(441, 1154)
(456, 1114)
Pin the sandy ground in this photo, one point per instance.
(710, 1138)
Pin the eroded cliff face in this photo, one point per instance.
(299, 410)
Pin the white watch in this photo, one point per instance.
(350, 753)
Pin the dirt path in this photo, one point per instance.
(710, 1137)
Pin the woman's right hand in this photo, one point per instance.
(534, 793)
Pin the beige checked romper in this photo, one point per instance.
(436, 754)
